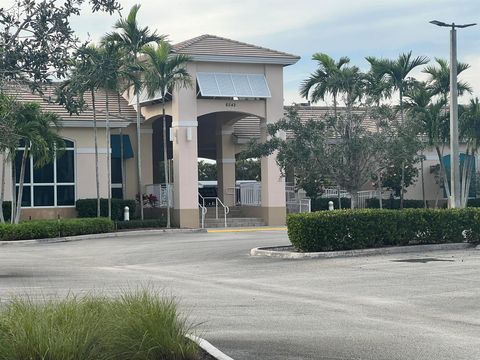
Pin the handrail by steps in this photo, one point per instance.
(226, 209)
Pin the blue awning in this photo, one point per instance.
(116, 146)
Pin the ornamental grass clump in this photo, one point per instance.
(136, 326)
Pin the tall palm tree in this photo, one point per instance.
(9, 139)
(165, 72)
(397, 71)
(86, 77)
(439, 78)
(325, 80)
(433, 119)
(470, 132)
(109, 77)
(39, 132)
(132, 38)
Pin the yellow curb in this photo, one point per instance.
(245, 230)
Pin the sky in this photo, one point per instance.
(353, 28)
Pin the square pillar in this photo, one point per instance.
(185, 155)
(225, 164)
(273, 184)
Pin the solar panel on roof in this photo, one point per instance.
(233, 85)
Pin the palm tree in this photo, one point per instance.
(397, 71)
(325, 80)
(109, 77)
(165, 72)
(439, 81)
(131, 39)
(86, 77)
(39, 133)
(433, 120)
(470, 132)
(8, 139)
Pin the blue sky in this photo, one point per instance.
(353, 28)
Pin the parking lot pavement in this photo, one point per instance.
(408, 306)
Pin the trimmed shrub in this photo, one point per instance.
(394, 204)
(139, 224)
(42, 229)
(473, 202)
(87, 208)
(322, 203)
(359, 229)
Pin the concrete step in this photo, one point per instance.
(234, 222)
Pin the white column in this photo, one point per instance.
(225, 164)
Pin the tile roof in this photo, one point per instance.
(213, 45)
(249, 127)
(47, 102)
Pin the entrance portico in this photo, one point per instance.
(233, 82)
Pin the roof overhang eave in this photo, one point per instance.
(285, 61)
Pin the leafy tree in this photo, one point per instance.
(36, 38)
(132, 38)
(164, 72)
(207, 171)
(305, 148)
(392, 177)
(397, 71)
(248, 169)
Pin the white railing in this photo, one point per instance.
(204, 200)
(203, 213)
(160, 192)
(251, 194)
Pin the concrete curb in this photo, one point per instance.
(209, 348)
(269, 252)
(134, 233)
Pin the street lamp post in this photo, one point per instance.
(455, 198)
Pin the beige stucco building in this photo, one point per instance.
(238, 90)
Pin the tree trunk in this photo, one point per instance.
(14, 189)
(20, 184)
(402, 185)
(165, 161)
(423, 182)
(353, 199)
(2, 186)
(380, 199)
(139, 157)
(443, 173)
(107, 134)
(339, 198)
(122, 160)
(97, 181)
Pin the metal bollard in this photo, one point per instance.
(126, 213)
(330, 205)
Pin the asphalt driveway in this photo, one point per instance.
(381, 307)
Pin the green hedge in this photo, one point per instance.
(42, 229)
(322, 203)
(87, 208)
(359, 229)
(139, 224)
(394, 204)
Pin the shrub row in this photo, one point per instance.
(42, 229)
(359, 229)
(87, 208)
(141, 224)
(142, 325)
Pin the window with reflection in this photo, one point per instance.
(50, 185)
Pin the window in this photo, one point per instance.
(50, 185)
